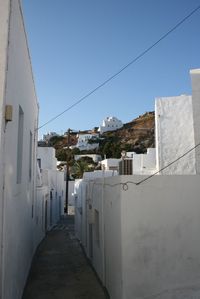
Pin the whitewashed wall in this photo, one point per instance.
(145, 240)
(195, 76)
(143, 163)
(54, 180)
(160, 238)
(70, 193)
(175, 134)
(19, 204)
(39, 230)
(99, 174)
(47, 156)
(4, 17)
(111, 162)
(78, 208)
(61, 189)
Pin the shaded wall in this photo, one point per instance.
(145, 239)
(18, 152)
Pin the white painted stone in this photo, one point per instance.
(175, 134)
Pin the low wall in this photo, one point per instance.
(145, 240)
(160, 238)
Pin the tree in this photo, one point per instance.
(79, 168)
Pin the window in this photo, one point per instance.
(20, 144)
(30, 155)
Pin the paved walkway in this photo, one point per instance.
(60, 269)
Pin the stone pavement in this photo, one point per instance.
(60, 269)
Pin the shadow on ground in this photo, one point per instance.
(60, 269)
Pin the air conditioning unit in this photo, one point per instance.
(126, 167)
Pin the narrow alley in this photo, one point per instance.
(60, 269)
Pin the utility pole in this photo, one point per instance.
(67, 173)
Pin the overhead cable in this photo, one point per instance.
(125, 184)
(123, 68)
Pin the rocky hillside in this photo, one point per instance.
(137, 135)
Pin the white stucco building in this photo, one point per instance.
(142, 234)
(83, 139)
(26, 193)
(143, 164)
(46, 158)
(53, 185)
(175, 129)
(19, 229)
(110, 164)
(111, 123)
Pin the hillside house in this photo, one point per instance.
(111, 123)
(83, 141)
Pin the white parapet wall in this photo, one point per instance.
(109, 164)
(175, 134)
(143, 164)
(143, 240)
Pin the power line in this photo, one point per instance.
(123, 68)
(125, 184)
(168, 165)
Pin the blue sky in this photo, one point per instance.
(77, 44)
